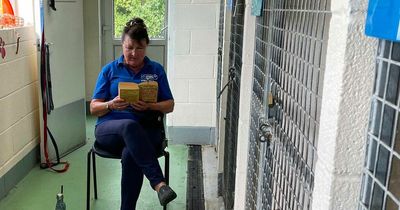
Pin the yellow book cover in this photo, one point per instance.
(148, 91)
(129, 91)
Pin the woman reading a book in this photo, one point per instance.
(119, 127)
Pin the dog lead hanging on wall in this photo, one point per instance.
(45, 85)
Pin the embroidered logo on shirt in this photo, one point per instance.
(149, 77)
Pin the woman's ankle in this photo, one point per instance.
(159, 185)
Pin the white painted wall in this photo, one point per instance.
(244, 107)
(25, 9)
(193, 43)
(19, 121)
(345, 108)
(64, 29)
(92, 47)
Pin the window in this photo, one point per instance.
(153, 12)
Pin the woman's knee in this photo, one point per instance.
(130, 125)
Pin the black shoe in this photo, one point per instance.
(166, 195)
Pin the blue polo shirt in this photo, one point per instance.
(115, 72)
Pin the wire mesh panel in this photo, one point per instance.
(232, 113)
(381, 178)
(288, 68)
(257, 109)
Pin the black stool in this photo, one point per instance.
(96, 150)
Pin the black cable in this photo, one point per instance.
(53, 141)
(232, 77)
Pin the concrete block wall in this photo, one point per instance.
(19, 121)
(347, 91)
(192, 74)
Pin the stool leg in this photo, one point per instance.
(88, 181)
(166, 169)
(94, 175)
(166, 165)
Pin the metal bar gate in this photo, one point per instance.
(289, 64)
(380, 185)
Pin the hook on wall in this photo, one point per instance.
(18, 40)
(52, 5)
(2, 48)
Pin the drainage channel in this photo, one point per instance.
(195, 188)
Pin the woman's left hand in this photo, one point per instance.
(141, 106)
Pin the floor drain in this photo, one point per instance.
(195, 189)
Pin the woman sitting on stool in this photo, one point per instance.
(118, 127)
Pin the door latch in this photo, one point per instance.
(271, 100)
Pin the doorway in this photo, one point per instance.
(114, 14)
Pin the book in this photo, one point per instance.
(148, 91)
(145, 91)
(129, 91)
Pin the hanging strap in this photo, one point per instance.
(44, 75)
(49, 91)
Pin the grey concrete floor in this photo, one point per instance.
(210, 179)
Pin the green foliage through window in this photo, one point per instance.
(151, 11)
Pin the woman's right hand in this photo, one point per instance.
(118, 104)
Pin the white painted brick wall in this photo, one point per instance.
(196, 16)
(207, 93)
(7, 146)
(192, 68)
(19, 124)
(181, 91)
(183, 1)
(193, 114)
(182, 42)
(204, 42)
(205, 1)
(192, 61)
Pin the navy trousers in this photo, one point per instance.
(137, 145)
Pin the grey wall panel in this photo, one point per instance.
(191, 135)
(18, 171)
(68, 126)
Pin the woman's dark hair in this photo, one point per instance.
(136, 29)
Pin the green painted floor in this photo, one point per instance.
(37, 191)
